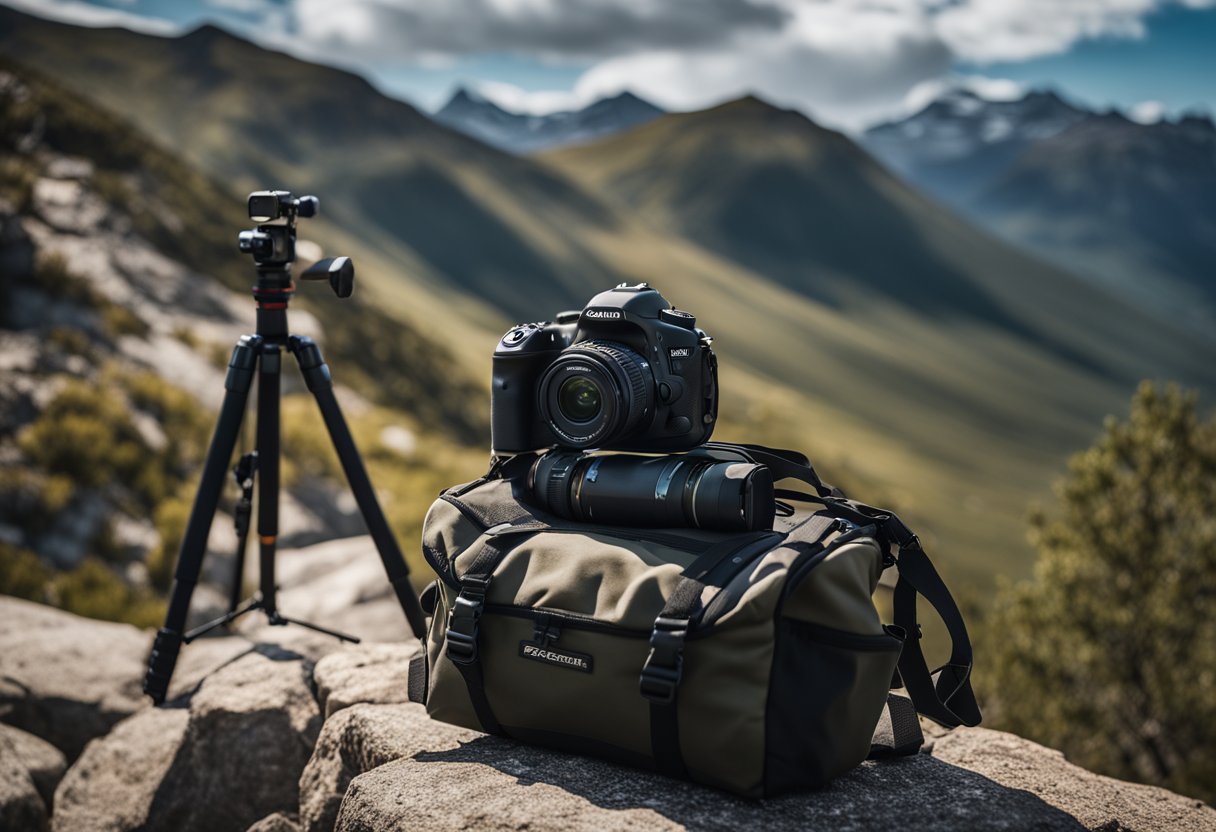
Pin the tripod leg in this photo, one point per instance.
(268, 471)
(317, 377)
(194, 542)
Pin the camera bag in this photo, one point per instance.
(754, 662)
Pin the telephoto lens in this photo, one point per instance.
(680, 490)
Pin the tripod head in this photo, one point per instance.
(273, 247)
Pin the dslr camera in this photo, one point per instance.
(629, 373)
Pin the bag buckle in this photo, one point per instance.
(665, 665)
(461, 634)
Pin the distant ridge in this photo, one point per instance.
(1130, 205)
(483, 119)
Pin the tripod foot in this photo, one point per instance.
(160, 664)
(281, 620)
(227, 618)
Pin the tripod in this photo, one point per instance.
(273, 248)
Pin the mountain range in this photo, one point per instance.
(1129, 205)
(913, 355)
(477, 116)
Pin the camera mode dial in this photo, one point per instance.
(678, 317)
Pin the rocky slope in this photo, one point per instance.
(121, 297)
(275, 729)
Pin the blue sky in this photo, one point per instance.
(1174, 63)
(846, 63)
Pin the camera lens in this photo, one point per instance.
(659, 492)
(596, 393)
(579, 399)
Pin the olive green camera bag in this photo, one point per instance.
(754, 662)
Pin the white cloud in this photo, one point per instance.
(86, 14)
(993, 89)
(850, 62)
(1147, 112)
(844, 62)
(552, 29)
(999, 30)
(249, 7)
(536, 102)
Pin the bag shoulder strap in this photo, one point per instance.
(944, 695)
(898, 731)
(784, 464)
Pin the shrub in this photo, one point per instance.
(22, 574)
(170, 519)
(1110, 652)
(93, 590)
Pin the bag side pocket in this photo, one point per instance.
(827, 690)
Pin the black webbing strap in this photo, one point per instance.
(898, 731)
(460, 640)
(945, 695)
(664, 667)
(661, 680)
(784, 464)
(708, 560)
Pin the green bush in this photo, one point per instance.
(52, 275)
(1109, 653)
(86, 434)
(71, 341)
(22, 574)
(93, 590)
(170, 520)
(119, 320)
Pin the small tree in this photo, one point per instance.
(1110, 652)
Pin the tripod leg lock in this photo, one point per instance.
(312, 365)
(244, 363)
(160, 664)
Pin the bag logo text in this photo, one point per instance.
(553, 656)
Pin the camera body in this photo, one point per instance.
(629, 372)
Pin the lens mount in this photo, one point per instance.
(595, 393)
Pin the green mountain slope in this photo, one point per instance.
(907, 352)
(439, 202)
(121, 295)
